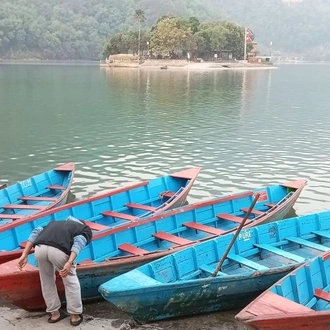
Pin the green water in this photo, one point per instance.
(244, 128)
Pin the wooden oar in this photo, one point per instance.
(3, 186)
(235, 236)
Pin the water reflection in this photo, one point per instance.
(244, 128)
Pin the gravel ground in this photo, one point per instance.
(102, 315)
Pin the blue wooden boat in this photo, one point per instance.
(183, 283)
(36, 194)
(112, 209)
(115, 250)
(301, 300)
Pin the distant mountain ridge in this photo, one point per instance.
(300, 27)
(293, 1)
(78, 29)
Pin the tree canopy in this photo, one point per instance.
(78, 29)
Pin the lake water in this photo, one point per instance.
(245, 128)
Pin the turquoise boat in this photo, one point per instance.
(185, 283)
(111, 209)
(37, 194)
(116, 249)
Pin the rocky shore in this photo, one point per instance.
(183, 64)
(104, 316)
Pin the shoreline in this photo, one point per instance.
(184, 65)
(102, 315)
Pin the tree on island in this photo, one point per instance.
(176, 37)
(139, 18)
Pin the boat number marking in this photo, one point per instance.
(26, 183)
(272, 232)
(245, 235)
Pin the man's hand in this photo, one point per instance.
(66, 269)
(22, 262)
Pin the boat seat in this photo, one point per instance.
(132, 249)
(210, 270)
(230, 217)
(307, 243)
(244, 261)
(65, 168)
(23, 244)
(86, 262)
(320, 294)
(36, 198)
(95, 226)
(56, 187)
(321, 233)
(277, 305)
(120, 215)
(207, 229)
(11, 216)
(280, 252)
(172, 238)
(253, 211)
(24, 207)
(168, 194)
(270, 204)
(140, 207)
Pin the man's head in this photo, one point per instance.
(71, 218)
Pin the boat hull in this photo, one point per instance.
(187, 283)
(202, 297)
(97, 264)
(113, 209)
(300, 300)
(319, 321)
(35, 195)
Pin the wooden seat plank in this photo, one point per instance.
(168, 194)
(307, 243)
(210, 270)
(23, 244)
(37, 198)
(95, 226)
(86, 262)
(11, 216)
(24, 207)
(140, 206)
(207, 229)
(253, 211)
(321, 233)
(230, 217)
(280, 252)
(246, 262)
(56, 187)
(270, 204)
(274, 304)
(172, 238)
(320, 294)
(132, 249)
(120, 215)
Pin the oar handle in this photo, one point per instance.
(3, 186)
(256, 197)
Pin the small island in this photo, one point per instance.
(176, 42)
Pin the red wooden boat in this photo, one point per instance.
(300, 300)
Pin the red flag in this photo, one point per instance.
(249, 36)
(249, 32)
(248, 39)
